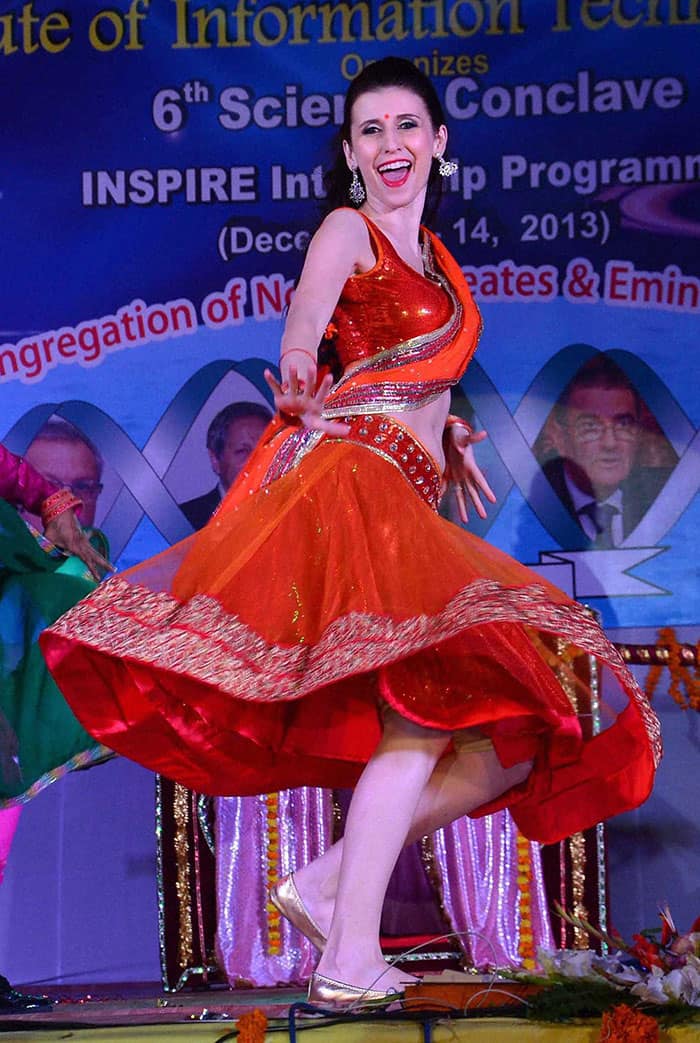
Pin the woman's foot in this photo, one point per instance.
(287, 900)
(337, 995)
(374, 976)
(310, 888)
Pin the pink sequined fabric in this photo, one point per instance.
(474, 866)
(248, 859)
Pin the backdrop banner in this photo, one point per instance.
(163, 172)
(164, 167)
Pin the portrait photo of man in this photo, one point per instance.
(64, 455)
(603, 453)
(231, 437)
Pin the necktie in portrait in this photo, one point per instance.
(601, 515)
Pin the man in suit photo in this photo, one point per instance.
(231, 437)
(595, 431)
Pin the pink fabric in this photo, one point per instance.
(476, 861)
(8, 824)
(246, 864)
(20, 483)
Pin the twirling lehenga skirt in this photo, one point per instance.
(257, 655)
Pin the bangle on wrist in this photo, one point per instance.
(302, 351)
(456, 421)
(58, 503)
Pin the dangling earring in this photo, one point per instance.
(356, 190)
(447, 167)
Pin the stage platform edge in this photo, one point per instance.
(460, 1030)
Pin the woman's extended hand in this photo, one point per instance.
(303, 362)
(64, 531)
(303, 400)
(462, 470)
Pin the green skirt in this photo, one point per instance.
(40, 739)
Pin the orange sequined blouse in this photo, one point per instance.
(388, 304)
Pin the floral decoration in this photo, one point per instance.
(526, 947)
(274, 921)
(252, 1027)
(655, 978)
(622, 1024)
(684, 687)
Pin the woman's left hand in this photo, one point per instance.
(462, 470)
(64, 532)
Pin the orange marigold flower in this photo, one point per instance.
(252, 1027)
(622, 1024)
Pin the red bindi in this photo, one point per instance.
(386, 115)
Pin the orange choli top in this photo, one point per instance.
(391, 302)
(410, 337)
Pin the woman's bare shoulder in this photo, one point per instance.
(343, 234)
(344, 222)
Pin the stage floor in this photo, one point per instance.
(143, 1013)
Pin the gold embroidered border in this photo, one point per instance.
(577, 853)
(199, 639)
(183, 885)
(388, 397)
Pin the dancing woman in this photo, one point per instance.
(328, 627)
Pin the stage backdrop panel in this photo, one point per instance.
(163, 172)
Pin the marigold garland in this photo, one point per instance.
(274, 923)
(684, 687)
(526, 943)
(622, 1024)
(252, 1027)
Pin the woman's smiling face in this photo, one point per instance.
(393, 142)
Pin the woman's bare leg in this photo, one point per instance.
(459, 783)
(382, 809)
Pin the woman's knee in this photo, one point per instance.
(400, 729)
(518, 773)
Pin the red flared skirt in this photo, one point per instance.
(257, 655)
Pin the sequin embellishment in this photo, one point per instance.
(384, 437)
